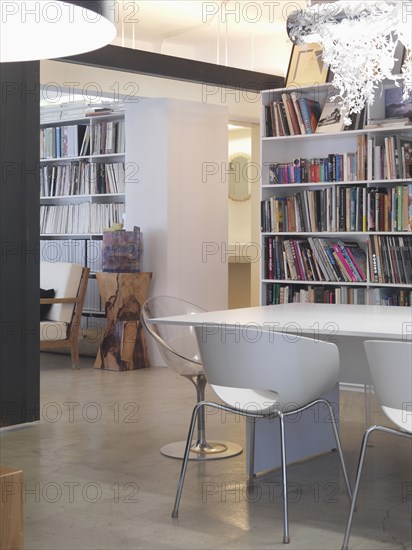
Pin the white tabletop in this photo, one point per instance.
(311, 319)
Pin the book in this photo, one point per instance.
(343, 264)
(290, 115)
(310, 110)
(295, 100)
(268, 121)
(404, 150)
(331, 119)
(355, 257)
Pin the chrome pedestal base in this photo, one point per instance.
(213, 450)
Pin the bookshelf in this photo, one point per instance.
(336, 206)
(83, 174)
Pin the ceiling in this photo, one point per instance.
(243, 34)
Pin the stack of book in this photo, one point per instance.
(292, 114)
(81, 178)
(392, 159)
(314, 259)
(390, 209)
(390, 259)
(277, 293)
(341, 208)
(108, 137)
(63, 141)
(332, 209)
(334, 167)
(82, 218)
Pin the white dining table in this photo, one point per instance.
(348, 326)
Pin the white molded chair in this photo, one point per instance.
(178, 347)
(248, 366)
(390, 365)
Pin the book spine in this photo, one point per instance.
(342, 266)
(268, 122)
(270, 258)
(298, 260)
(399, 205)
(373, 266)
(376, 239)
(290, 260)
(347, 261)
(405, 208)
(290, 115)
(356, 265)
(295, 100)
(305, 115)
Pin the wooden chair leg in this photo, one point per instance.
(74, 351)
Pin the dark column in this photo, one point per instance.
(19, 234)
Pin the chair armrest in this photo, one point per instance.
(59, 300)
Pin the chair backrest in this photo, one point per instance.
(177, 343)
(390, 365)
(273, 366)
(65, 279)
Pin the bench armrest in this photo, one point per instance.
(59, 300)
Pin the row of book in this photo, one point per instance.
(292, 114)
(387, 158)
(390, 209)
(314, 259)
(79, 218)
(284, 294)
(372, 162)
(341, 208)
(334, 167)
(390, 259)
(108, 137)
(81, 178)
(78, 140)
(63, 141)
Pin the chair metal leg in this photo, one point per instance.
(286, 538)
(339, 447)
(185, 460)
(368, 406)
(362, 454)
(251, 445)
(356, 488)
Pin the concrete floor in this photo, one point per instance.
(94, 477)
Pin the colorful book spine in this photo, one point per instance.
(304, 109)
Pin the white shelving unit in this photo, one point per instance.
(79, 205)
(285, 149)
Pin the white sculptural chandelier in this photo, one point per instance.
(358, 40)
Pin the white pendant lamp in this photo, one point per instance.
(47, 29)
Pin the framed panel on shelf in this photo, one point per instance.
(306, 66)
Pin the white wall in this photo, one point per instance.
(182, 213)
(239, 212)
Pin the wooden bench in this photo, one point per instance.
(60, 328)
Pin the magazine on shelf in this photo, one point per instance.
(331, 119)
(396, 106)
